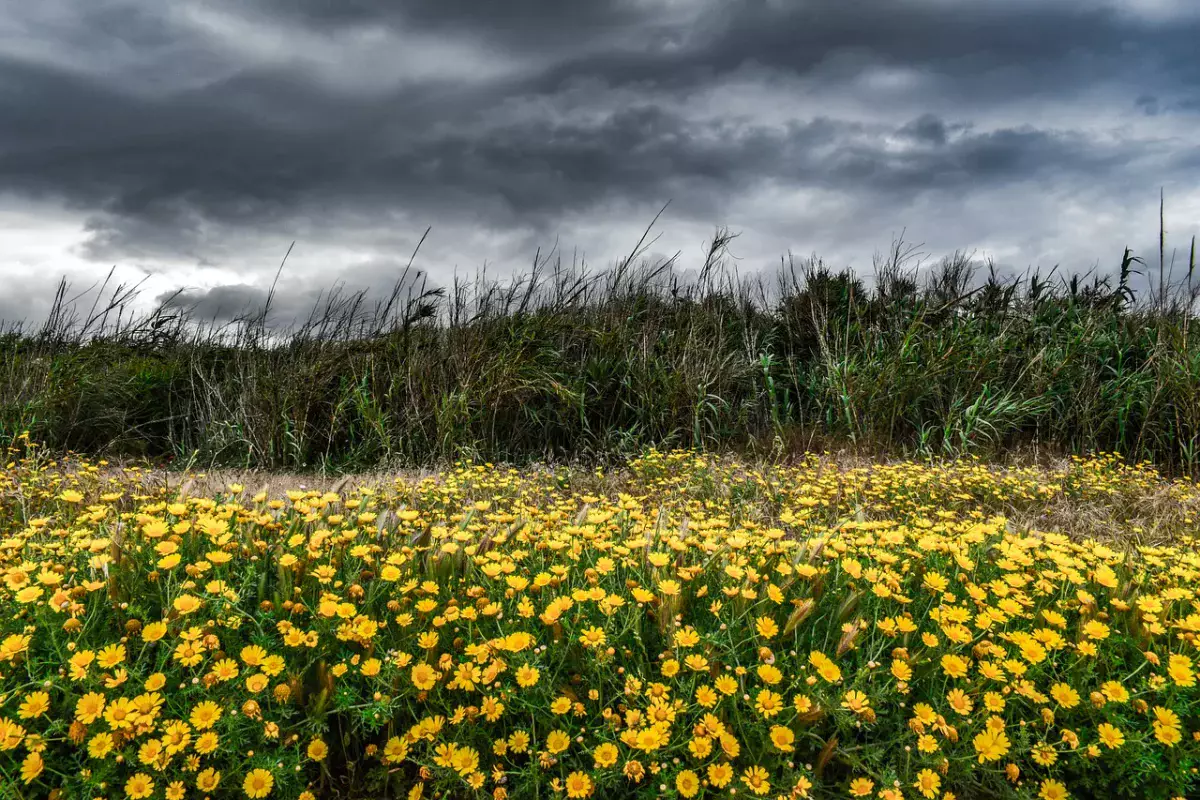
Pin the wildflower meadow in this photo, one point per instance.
(681, 626)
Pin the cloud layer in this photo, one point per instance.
(191, 142)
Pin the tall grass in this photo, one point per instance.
(565, 362)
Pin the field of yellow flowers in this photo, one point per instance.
(685, 626)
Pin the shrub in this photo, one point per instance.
(561, 363)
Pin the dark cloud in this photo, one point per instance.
(363, 292)
(517, 21)
(926, 129)
(16, 302)
(221, 303)
(172, 130)
(1000, 49)
(208, 163)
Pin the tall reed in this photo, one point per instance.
(565, 362)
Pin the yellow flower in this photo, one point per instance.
(700, 746)
(861, 787)
(1114, 691)
(605, 755)
(34, 705)
(960, 702)
(648, 739)
(927, 783)
(187, 604)
(13, 646)
(720, 774)
(769, 674)
(226, 670)
(139, 786)
(1043, 754)
(317, 750)
(766, 627)
(955, 666)
(207, 742)
(1179, 669)
(205, 715)
(558, 741)
(1110, 735)
(465, 760)
(395, 751)
(687, 783)
(1032, 651)
(856, 701)
(150, 751)
(258, 783)
(579, 785)
(1052, 790)
(1167, 734)
(686, 637)
(31, 767)
(828, 670)
(1064, 695)
(768, 703)
(89, 707)
(424, 677)
(706, 696)
(756, 780)
(466, 677)
(176, 736)
(154, 631)
(527, 676)
(991, 745)
(592, 637)
(782, 738)
(100, 745)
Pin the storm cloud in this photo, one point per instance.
(190, 143)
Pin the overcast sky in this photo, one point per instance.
(193, 141)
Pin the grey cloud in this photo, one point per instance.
(1011, 49)
(669, 42)
(221, 303)
(16, 303)
(166, 132)
(209, 163)
(520, 19)
(928, 128)
(361, 292)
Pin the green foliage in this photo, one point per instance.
(561, 363)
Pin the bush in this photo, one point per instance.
(566, 364)
(683, 627)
